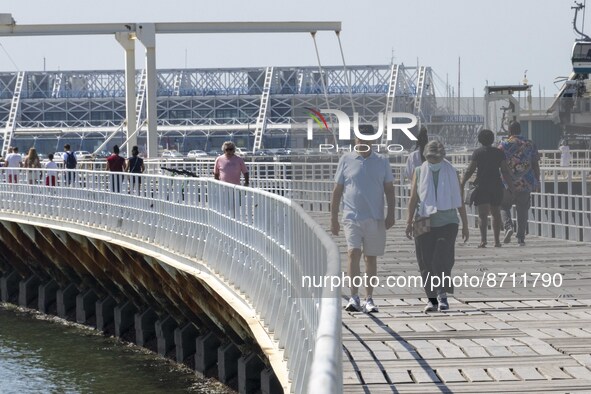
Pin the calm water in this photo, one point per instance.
(42, 354)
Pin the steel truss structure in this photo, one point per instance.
(213, 102)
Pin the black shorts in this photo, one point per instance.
(492, 195)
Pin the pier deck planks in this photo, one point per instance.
(515, 338)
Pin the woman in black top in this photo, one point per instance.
(489, 187)
(135, 165)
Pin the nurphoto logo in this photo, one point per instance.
(391, 121)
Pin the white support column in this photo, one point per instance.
(127, 41)
(146, 33)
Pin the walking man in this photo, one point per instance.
(116, 163)
(228, 166)
(70, 163)
(13, 160)
(523, 161)
(362, 179)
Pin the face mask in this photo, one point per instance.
(435, 166)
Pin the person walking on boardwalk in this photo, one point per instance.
(417, 157)
(523, 160)
(115, 163)
(32, 161)
(135, 165)
(228, 166)
(70, 163)
(51, 167)
(436, 197)
(361, 180)
(13, 161)
(488, 193)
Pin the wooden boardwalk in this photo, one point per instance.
(518, 338)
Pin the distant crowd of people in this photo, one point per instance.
(228, 167)
(14, 161)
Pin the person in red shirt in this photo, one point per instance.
(115, 163)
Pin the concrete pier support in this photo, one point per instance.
(85, 306)
(228, 362)
(28, 290)
(269, 382)
(206, 354)
(145, 326)
(47, 294)
(249, 373)
(105, 312)
(66, 300)
(9, 286)
(185, 341)
(124, 317)
(165, 334)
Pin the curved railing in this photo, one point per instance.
(561, 209)
(258, 243)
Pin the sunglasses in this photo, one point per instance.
(230, 149)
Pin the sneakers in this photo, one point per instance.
(430, 307)
(369, 306)
(508, 234)
(443, 305)
(521, 241)
(354, 305)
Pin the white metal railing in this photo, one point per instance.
(562, 208)
(548, 158)
(311, 184)
(259, 243)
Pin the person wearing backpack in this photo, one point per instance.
(70, 163)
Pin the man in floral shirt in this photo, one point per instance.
(523, 161)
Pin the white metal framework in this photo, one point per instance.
(263, 109)
(14, 106)
(199, 108)
(126, 33)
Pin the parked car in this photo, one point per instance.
(214, 152)
(196, 153)
(241, 151)
(281, 151)
(172, 154)
(103, 154)
(83, 155)
(263, 152)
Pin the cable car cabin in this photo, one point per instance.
(582, 57)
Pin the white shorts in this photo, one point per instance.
(368, 235)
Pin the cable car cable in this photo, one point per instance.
(325, 90)
(347, 75)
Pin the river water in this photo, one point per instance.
(44, 354)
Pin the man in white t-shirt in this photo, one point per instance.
(362, 180)
(13, 160)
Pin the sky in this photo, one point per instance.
(497, 40)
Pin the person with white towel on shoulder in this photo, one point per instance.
(436, 194)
